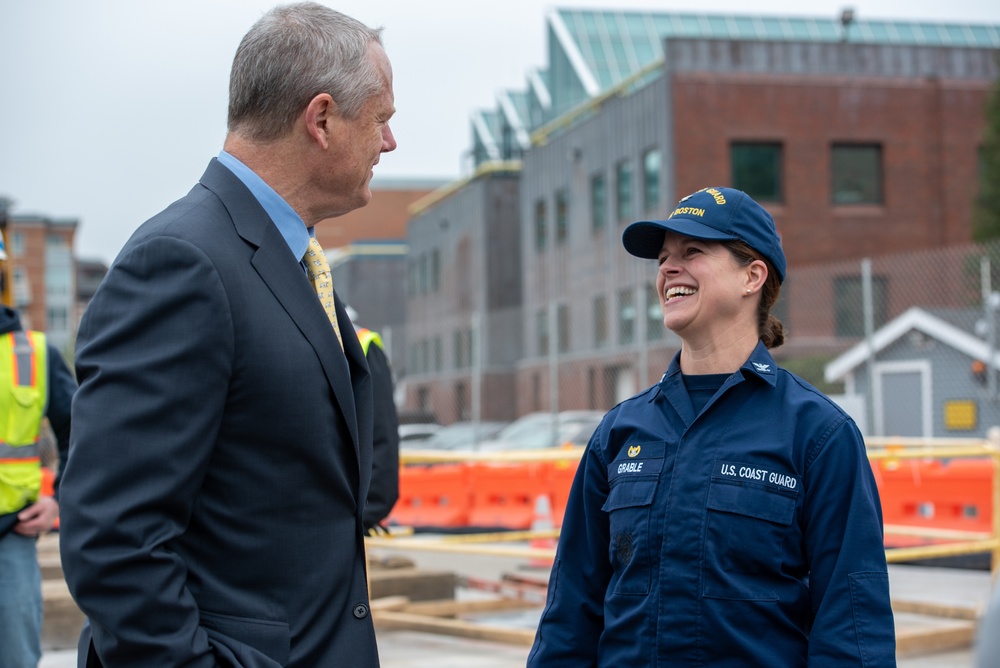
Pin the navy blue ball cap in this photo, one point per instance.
(715, 214)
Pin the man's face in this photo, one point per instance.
(358, 143)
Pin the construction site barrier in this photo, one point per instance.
(503, 494)
(433, 496)
(926, 514)
(483, 491)
(950, 495)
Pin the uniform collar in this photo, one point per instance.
(759, 364)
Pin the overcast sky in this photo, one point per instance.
(110, 109)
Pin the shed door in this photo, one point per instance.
(903, 399)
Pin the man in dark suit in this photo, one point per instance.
(221, 452)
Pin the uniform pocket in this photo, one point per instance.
(873, 617)
(628, 506)
(746, 529)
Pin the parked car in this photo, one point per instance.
(411, 434)
(460, 436)
(535, 431)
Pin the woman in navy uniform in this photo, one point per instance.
(727, 516)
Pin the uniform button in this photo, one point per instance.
(361, 611)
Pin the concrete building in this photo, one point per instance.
(860, 137)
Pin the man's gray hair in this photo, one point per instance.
(291, 55)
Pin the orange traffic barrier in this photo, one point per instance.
(558, 480)
(953, 495)
(432, 496)
(503, 495)
(542, 521)
(48, 479)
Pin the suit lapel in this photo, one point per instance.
(274, 263)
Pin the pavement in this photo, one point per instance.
(943, 587)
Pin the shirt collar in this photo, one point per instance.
(759, 364)
(289, 223)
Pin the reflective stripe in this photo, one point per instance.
(24, 359)
(15, 452)
(367, 337)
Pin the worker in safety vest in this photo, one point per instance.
(36, 383)
(384, 489)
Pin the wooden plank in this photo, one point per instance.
(936, 610)
(456, 608)
(925, 641)
(390, 603)
(414, 583)
(453, 627)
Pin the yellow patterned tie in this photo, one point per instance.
(318, 270)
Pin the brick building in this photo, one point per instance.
(860, 138)
(42, 271)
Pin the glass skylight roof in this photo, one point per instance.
(614, 44)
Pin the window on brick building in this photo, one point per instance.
(562, 321)
(654, 315)
(542, 331)
(848, 305)
(435, 269)
(626, 316)
(600, 321)
(562, 217)
(424, 356)
(422, 274)
(651, 182)
(598, 203)
(541, 231)
(460, 350)
(856, 174)
(757, 169)
(57, 318)
(623, 191)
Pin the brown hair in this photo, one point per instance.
(770, 329)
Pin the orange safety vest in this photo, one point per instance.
(23, 394)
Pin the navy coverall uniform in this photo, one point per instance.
(749, 534)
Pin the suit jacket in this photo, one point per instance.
(220, 454)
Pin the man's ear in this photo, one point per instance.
(319, 116)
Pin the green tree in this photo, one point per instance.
(986, 211)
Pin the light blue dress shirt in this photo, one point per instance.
(289, 223)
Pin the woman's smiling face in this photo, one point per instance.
(701, 287)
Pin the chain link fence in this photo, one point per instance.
(906, 343)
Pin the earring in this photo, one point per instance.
(749, 290)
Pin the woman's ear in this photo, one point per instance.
(756, 276)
